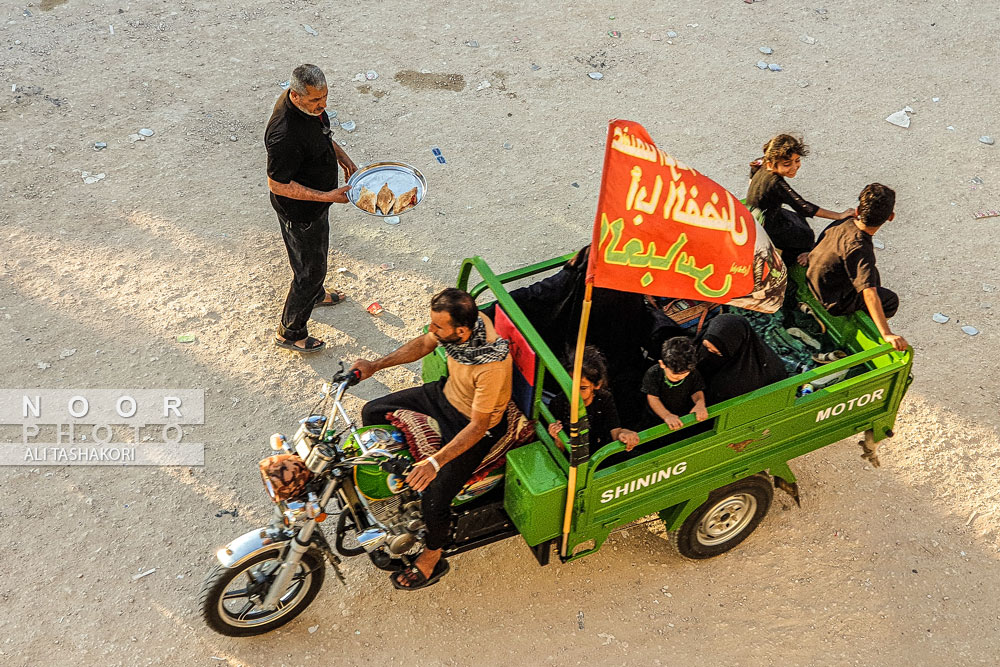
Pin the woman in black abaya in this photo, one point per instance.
(735, 360)
(620, 327)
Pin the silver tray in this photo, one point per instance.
(398, 176)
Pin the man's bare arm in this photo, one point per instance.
(424, 472)
(294, 190)
(874, 305)
(416, 349)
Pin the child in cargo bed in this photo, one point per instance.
(770, 192)
(673, 386)
(602, 415)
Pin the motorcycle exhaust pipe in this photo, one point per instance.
(371, 539)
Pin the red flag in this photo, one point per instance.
(664, 229)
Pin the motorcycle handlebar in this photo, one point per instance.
(349, 378)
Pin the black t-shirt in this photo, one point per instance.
(842, 265)
(601, 414)
(768, 191)
(300, 149)
(676, 399)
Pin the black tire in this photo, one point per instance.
(224, 620)
(727, 518)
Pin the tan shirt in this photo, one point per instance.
(483, 387)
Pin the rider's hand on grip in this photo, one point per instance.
(363, 369)
(353, 375)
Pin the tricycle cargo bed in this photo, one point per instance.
(758, 432)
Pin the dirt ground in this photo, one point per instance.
(889, 566)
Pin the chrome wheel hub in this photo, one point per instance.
(727, 519)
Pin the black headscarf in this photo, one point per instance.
(620, 323)
(747, 363)
(620, 327)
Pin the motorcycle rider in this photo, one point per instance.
(469, 405)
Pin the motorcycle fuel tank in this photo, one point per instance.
(372, 482)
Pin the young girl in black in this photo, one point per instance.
(770, 193)
(600, 404)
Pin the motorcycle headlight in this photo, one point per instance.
(285, 476)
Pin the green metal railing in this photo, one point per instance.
(856, 334)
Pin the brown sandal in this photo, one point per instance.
(335, 298)
(311, 345)
(415, 579)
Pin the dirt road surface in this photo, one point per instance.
(890, 566)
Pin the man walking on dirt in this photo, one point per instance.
(302, 160)
(469, 405)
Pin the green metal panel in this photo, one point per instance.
(535, 492)
(786, 427)
(759, 431)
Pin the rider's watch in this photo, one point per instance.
(437, 467)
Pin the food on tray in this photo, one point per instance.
(405, 201)
(366, 202)
(385, 199)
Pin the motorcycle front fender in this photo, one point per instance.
(251, 544)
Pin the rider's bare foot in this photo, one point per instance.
(428, 560)
(426, 570)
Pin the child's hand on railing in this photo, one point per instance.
(673, 421)
(629, 438)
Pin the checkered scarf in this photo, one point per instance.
(476, 350)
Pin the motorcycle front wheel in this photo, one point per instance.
(231, 597)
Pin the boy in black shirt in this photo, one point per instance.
(673, 387)
(842, 268)
(602, 416)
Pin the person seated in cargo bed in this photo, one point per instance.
(673, 386)
(602, 415)
(621, 326)
(842, 269)
(734, 360)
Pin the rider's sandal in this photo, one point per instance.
(335, 298)
(311, 345)
(416, 579)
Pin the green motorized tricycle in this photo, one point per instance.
(710, 487)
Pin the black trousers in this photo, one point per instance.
(307, 245)
(790, 233)
(436, 499)
(890, 303)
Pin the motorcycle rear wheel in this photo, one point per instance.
(243, 617)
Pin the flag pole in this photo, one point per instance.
(579, 450)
